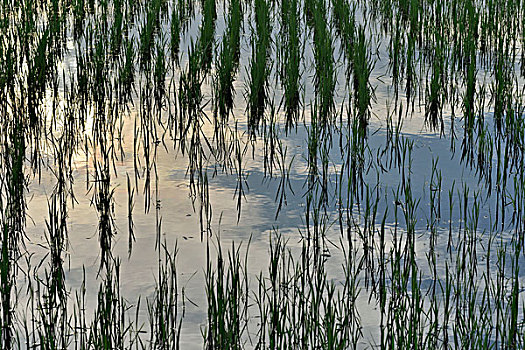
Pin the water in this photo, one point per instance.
(177, 217)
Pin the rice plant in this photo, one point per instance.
(362, 69)
(259, 70)
(292, 57)
(366, 227)
(228, 62)
(207, 35)
(324, 63)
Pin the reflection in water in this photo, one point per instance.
(285, 175)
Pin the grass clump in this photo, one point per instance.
(324, 63)
(362, 68)
(228, 62)
(292, 58)
(259, 66)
